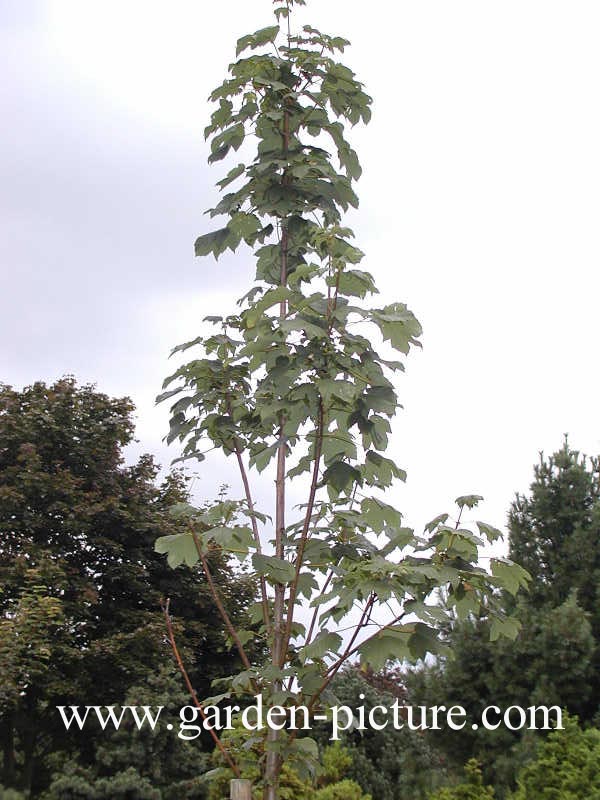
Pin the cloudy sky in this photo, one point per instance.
(480, 202)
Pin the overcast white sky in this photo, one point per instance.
(480, 202)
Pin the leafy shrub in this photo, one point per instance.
(471, 789)
(10, 794)
(342, 790)
(567, 766)
(78, 784)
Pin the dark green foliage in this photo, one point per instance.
(11, 794)
(80, 618)
(344, 790)
(76, 783)
(549, 663)
(555, 533)
(144, 764)
(567, 767)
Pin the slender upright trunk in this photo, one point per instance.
(273, 758)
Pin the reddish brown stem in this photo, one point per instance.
(273, 758)
(348, 653)
(219, 604)
(313, 621)
(250, 501)
(305, 530)
(192, 691)
(332, 671)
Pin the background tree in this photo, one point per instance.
(80, 617)
(555, 532)
(293, 380)
(139, 765)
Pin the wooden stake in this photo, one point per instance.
(240, 789)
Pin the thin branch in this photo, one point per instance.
(328, 580)
(165, 608)
(329, 576)
(459, 516)
(316, 611)
(219, 604)
(250, 501)
(305, 530)
(349, 652)
(365, 617)
(452, 536)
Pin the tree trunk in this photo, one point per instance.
(273, 759)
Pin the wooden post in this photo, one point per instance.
(240, 789)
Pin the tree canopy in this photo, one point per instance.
(80, 616)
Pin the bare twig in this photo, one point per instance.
(313, 622)
(226, 755)
(348, 653)
(219, 604)
(255, 532)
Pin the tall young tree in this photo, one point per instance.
(292, 382)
